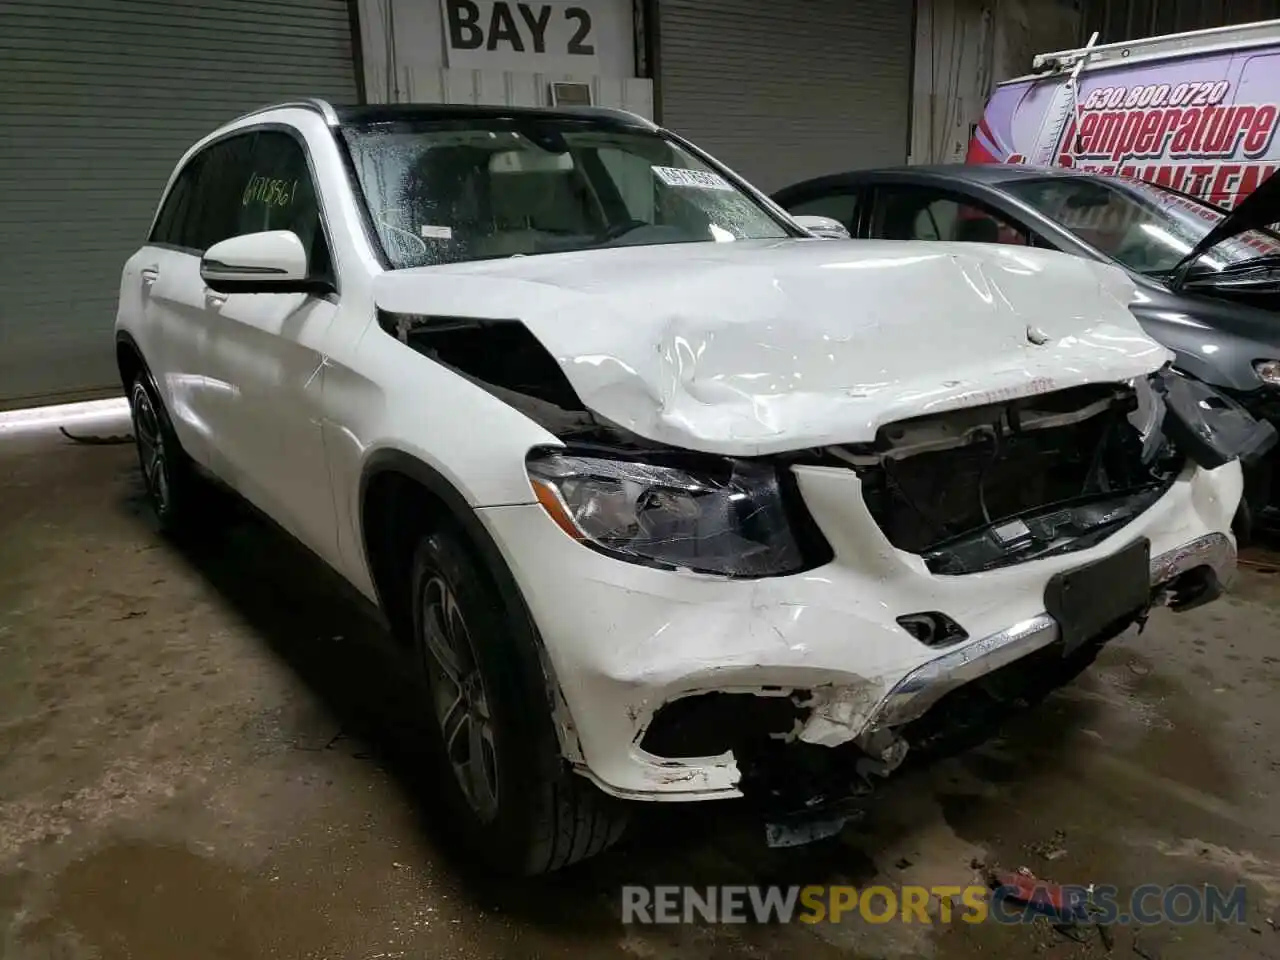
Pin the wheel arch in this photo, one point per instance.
(401, 498)
(130, 362)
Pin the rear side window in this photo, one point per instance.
(170, 223)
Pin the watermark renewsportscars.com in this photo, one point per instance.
(1104, 904)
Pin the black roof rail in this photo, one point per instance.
(376, 112)
(334, 116)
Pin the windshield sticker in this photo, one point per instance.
(700, 179)
(274, 193)
(431, 231)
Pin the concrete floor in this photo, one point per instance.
(202, 750)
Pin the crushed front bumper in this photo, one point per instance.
(624, 641)
(926, 685)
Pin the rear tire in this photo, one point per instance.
(167, 473)
(516, 805)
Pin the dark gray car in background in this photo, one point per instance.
(1208, 281)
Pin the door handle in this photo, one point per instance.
(214, 299)
(150, 275)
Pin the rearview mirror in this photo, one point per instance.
(528, 161)
(270, 262)
(825, 227)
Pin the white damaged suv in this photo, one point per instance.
(665, 498)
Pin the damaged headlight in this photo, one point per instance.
(1268, 371)
(729, 519)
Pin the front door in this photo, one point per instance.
(266, 356)
(911, 212)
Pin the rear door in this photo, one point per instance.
(167, 347)
(167, 271)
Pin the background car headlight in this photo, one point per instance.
(1268, 371)
(729, 518)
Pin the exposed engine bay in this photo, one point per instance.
(984, 487)
(504, 358)
(987, 486)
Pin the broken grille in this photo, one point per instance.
(991, 486)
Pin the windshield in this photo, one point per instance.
(1142, 225)
(443, 191)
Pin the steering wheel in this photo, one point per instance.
(620, 229)
(1135, 256)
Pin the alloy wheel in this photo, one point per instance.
(459, 697)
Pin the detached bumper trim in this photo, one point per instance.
(919, 690)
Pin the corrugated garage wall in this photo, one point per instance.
(784, 91)
(98, 100)
(1118, 20)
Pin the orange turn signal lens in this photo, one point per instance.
(549, 497)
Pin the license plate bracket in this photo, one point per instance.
(1087, 600)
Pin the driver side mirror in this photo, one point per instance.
(273, 261)
(826, 227)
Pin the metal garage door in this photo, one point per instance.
(1117, 20)
(98, 100)
(790, 89)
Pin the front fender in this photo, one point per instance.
(1207, 353)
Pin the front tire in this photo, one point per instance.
(512, 798)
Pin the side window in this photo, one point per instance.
(173, 215)
(913, 213)
(276, 192)
(212, 215)
(842, 206)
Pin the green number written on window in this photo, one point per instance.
(273, 193)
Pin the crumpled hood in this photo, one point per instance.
(758, 347)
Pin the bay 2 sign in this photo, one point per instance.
(556, 37)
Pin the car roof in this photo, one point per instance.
(391, 112)
(990, 174)
(370, 113)
(365, 113)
